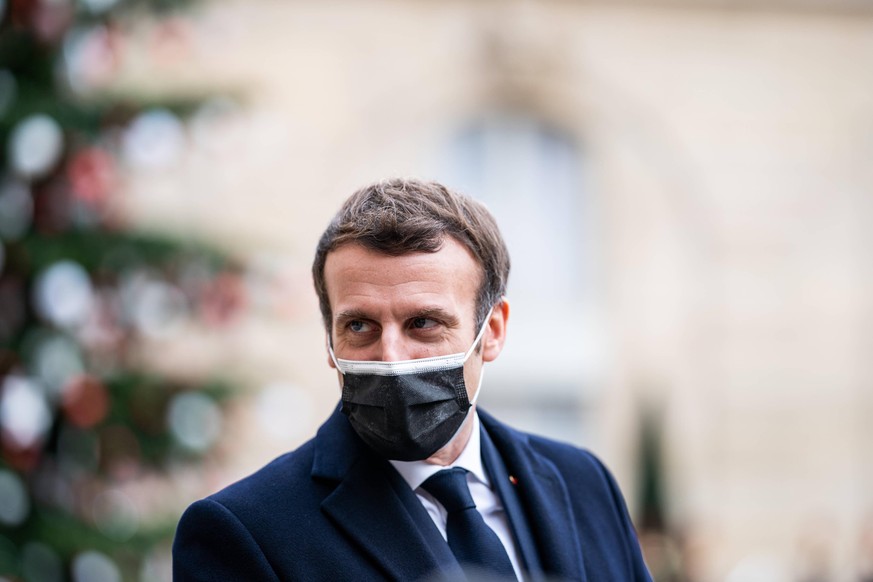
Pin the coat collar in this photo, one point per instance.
(337, 448)
(546, 500)
(375, 507)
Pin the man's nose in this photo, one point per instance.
(394, 345)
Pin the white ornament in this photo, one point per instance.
(63, 294)
(35, 146)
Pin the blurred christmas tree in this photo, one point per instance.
(78, 290)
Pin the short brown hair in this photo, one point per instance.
(403, 216)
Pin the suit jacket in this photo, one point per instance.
(333, 510)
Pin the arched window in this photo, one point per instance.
(533, 178)
(529, 176)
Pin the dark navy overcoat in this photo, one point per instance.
(331, 510)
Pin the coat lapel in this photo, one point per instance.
(374, 507)
(515, 513)
(546, 501)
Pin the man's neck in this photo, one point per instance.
(449, 453)
(469, 458)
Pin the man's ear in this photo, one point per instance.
(495, 334)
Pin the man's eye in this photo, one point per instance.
(359, 326)
(423, 323)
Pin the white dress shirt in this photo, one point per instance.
(486, 499)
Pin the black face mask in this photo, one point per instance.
(407, 411)
(407, 417)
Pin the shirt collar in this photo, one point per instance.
(416, 472)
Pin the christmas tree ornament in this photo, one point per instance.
(16, 210)
(53, 359)
(91, 172)
(95, 566)
(63, 294)
(154, 141)
(35, 146)
(102, 332)
(158, 309)
(25, 416)
(16, 503)
(91, 57)
(49, 19)
(194, 420)
(85, 401)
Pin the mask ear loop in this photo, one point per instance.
(478, 388)
(479, 335)
(470, 351)
(330, 351)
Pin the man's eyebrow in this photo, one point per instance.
(436, 313)
(351, 314)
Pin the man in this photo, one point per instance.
(407, 479)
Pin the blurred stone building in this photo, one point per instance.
(686, 189)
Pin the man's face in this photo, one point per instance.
(412, 306)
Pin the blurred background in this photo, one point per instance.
(685, 187)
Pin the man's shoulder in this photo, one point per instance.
(559, 449)
(566, 457)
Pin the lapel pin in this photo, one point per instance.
(513, 480)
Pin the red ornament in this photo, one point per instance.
(24, 460)
(85, 401)
(48, 20)
(91, 172)
(222, 299)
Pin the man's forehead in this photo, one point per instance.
(452, 254)
(360, 278)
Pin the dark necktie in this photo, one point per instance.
(474, 544)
